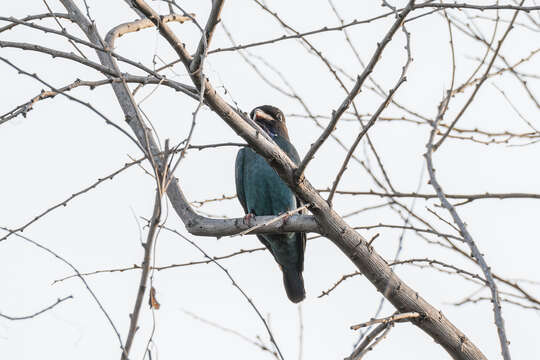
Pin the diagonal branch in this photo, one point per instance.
(209, 29)
(499, 321)
(370, 123)
(336, 115)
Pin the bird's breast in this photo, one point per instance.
(266, 193)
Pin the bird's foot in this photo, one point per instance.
(286, 217)
(248, 217)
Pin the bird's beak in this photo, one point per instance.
(261, 115)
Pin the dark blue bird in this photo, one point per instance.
(262, 192)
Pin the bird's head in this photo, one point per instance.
(271, 119)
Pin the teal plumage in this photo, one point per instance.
(262, 192)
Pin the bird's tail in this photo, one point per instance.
(294, 285)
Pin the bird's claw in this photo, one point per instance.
(286, 217)
(248, 217)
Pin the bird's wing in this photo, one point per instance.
(290, 150)
(301, 239)
(240, 190)
(239, 178)
(301, 246)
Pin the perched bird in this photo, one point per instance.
(262, 192)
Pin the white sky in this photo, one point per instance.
(62, 147)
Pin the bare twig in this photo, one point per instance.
(35, 17)
(285, 215)
(479, 84)
(429, 4)
(359, 350)
(469, 240)
(390, 319)
(300, 35)
(235, 284)
(361, 135)
(145, 266)
(25, 317)
(355, 90)
(86, 104)
(166, 267)
(343, 278)
(94, 296)
(377, 341)
(471, 197)
(256, 343)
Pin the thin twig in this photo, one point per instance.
(479, 84)
(343, 278)
(25, 317)
(256, 343)
(367, 340)
(148, 246)
(355, 90)
(390, 319)
(274, 220)
(166, 267)
(499, 321)
(235, 284)
(94, 296)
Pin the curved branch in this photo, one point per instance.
(26, 317)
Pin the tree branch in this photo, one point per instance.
(145, 266)
(25, 317)
(355, 90)
(479, 84)
(387, 320)
(206, 38)
(332, 225)
(469, 240)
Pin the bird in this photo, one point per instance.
(261, 192)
